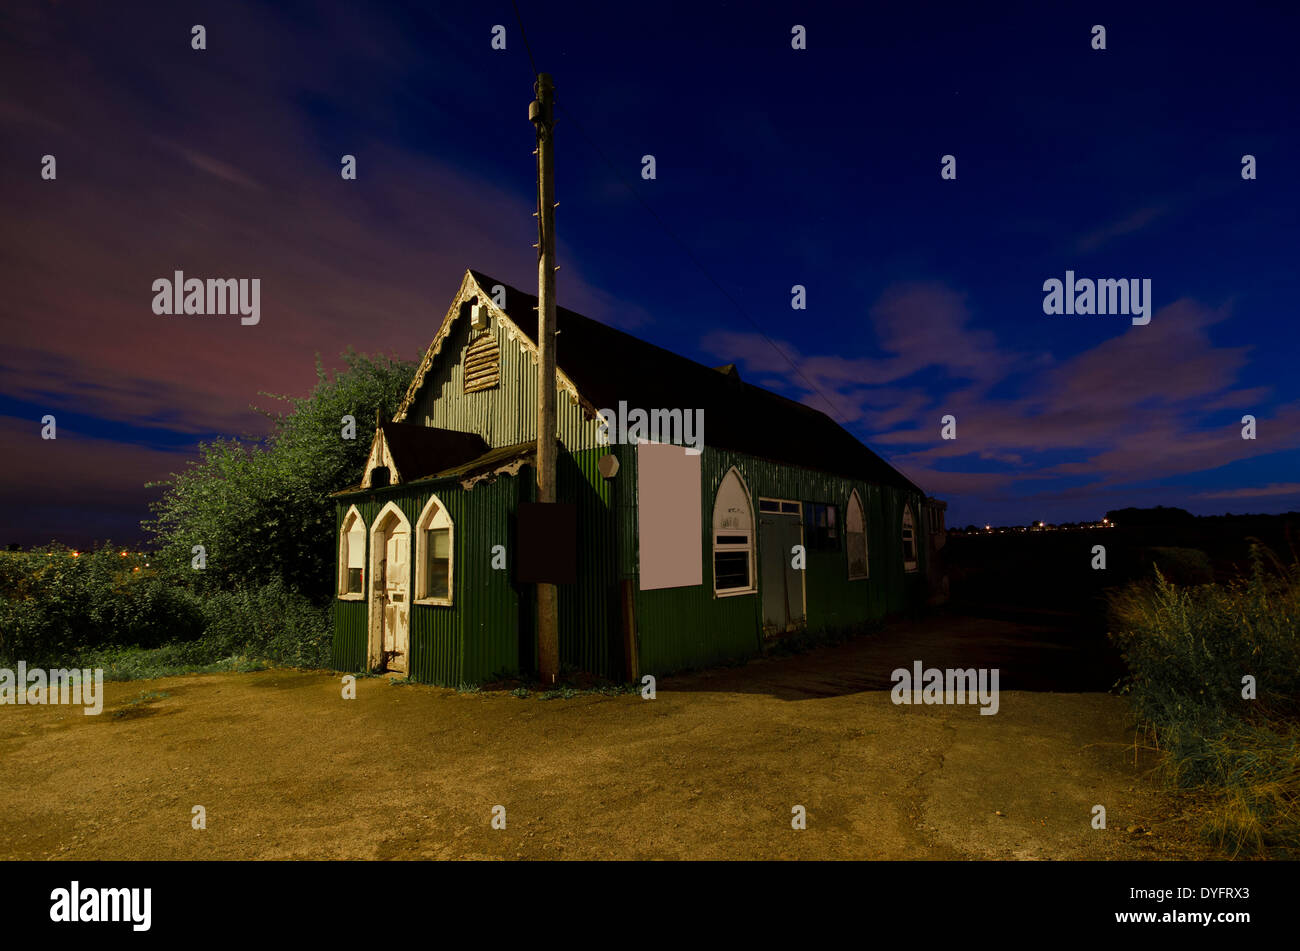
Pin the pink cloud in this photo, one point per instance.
(1255, 492)
(1138, 405)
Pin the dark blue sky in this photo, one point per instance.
(775, 167)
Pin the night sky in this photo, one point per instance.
(775, 167)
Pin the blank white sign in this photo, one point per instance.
(669, 516)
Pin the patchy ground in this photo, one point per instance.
(285, 768)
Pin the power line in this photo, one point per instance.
(528, 48)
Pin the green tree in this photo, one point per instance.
(261, 508)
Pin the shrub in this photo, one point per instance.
(54, 603)
(261, 508)
(1184, 566)
(56, 607)
(1188, 649)
(267, 621)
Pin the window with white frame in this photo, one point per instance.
(352, 556)
(733, 538)
(909, 539)
(855, 534)
(433, 554)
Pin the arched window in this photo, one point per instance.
(352, 556)
(855, 532)
(733, 538)
(909, 539)
(433, 554)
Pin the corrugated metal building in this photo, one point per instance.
(781, 520)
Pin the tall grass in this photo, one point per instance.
(1189, 651)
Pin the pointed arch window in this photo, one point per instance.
(909, 539)
(433, 554)
(352, 556)
(733, 538)
(855, 534)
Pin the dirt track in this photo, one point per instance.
(286, 768)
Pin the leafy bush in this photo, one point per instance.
(269, 621)
(262, 512)
(261, 508)
(54, 604)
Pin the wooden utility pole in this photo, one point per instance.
(541, 112)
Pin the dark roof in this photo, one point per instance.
(486, 462)
(608, 365)
(489, 460)
(423, 450)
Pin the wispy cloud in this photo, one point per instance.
(1129, 224)
(1141, 404)
(1271, 490)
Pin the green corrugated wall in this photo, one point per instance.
(490, 627)
(690, 627)
(490, 619)
(504, 415)
(477, 636)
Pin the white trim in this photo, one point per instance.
(734, 592)
(470, 289)
(340, 580)
(750, 547)
(440, 519)
(380, 455)
(909, 521)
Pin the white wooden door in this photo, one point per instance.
(397, 602)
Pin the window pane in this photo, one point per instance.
(857, 554)
(733, 540)
(437, 579)
(767, 505)
(731, 508)
(354, 581)
(356, 546)
(731, 569)
(855, 518)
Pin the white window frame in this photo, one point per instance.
(748, 546)
(781, 504)
(434, 515)
(341, 587)
(909, 524)
(855, 499)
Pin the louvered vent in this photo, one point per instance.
(482, 364)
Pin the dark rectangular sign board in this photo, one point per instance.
(547, 546)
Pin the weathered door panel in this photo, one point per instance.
(397, 606)
(781, 583)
